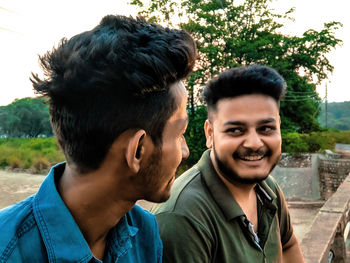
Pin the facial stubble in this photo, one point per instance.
(228, 172)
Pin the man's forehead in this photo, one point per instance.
(246, 107)
(180, 93)
(243, 102)
(253, 96)
(178, 88)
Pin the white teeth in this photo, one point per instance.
(253, 157)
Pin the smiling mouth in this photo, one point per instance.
(251, 158)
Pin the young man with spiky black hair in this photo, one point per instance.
(227, 208)
(118, 110)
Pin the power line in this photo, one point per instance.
(301, 97)
(296, 100)
(300, 92)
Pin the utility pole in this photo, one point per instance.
(326, 106)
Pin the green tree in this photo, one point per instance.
(28, 117)
(230, 35)
(338, 115)
(195, 136)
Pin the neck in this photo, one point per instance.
(241, 192)
(237, 189)
(93, 201)
(246, 198)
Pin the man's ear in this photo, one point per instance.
(208, 129)
(135, 150)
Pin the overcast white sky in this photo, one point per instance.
(29, 28)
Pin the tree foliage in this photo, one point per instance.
(28, 117)
(195, 136)
(338, 115)
(230, 34)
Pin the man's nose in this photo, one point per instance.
(185, 150)
(253, 141)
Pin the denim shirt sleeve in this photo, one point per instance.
(20, 239)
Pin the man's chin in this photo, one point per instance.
(246, 180)
(159, 199)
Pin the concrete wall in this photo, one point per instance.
(299, 183)
(332, 173)
(313, 182)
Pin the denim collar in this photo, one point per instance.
(60, 233)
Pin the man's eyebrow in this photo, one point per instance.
(182, 122)
(238, 123)
(241, 123)
(268, 120)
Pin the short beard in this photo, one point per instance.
(149, 172)
(229, 174)
(149, 176)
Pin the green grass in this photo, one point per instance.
(36, 155)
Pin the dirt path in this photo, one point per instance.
(15, 187)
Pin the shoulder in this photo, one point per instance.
(188, 191)
(15, 222)
(190, 209)
(271, 181)
(147, 235)
(273, 185)
(144, 221)
(13, 217)
(139, 216)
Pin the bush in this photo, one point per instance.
(294, 143)
(34, 154)
(40, 164)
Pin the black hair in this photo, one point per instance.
(252, 79)
(115, 77)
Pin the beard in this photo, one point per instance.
(149, 178)
(229, 173)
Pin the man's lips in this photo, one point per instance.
(250, 158)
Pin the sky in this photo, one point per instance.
(30, 28)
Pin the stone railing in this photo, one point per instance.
(325, 240)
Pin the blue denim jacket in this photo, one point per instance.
(41, 229)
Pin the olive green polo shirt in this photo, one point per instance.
(202, 222)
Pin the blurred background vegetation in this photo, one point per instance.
(227, 35)
(27, 142)
(34, 155)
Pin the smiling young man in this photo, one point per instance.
(118, 110)
(227, 208)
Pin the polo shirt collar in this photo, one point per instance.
(267, 192)
(61, 235)
(220, 192)
(218, 189)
